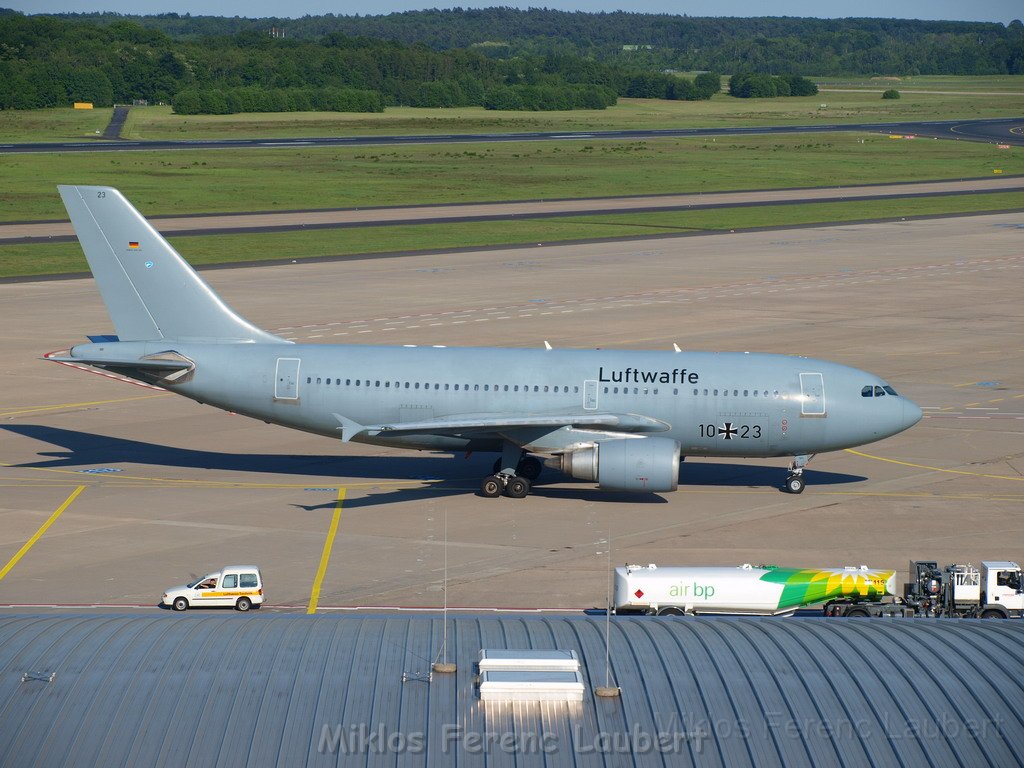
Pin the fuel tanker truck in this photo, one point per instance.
(995, 590)
(745, 589)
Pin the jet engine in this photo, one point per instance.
(626, 464)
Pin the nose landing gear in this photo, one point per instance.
(795, 482)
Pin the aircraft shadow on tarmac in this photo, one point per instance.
(450, 477)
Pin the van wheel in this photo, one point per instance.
(180, 604)
(992, 614)
(243, 604)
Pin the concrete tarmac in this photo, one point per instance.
(174, 489)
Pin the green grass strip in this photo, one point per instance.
(20, 260)
(355, 177)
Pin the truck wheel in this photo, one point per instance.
(243, 604)
(992, 614)
(857, 613)
(180, 604)
(671, 611)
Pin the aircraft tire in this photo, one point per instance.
(517, 488)
(795, 484)
(491, 487)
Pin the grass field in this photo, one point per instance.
(67, 257)
(244, 180)
(1008, 84)
(968, 100)
(722, 110)
(52, 124)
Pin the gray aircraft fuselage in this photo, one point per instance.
(712, 403)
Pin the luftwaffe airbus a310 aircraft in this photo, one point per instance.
(622, 419)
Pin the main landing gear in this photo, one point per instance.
(513, 474)
(795, 482)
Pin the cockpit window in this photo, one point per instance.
(879, 392)
(890, 390)
(867, 391)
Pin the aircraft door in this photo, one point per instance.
(812, 389)
(286, 379)
(590, 395)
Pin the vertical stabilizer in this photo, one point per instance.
(151, 292)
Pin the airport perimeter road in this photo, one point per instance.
(53, 231)
(173, 488)
(1008, 130)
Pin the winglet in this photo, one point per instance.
(349, 428)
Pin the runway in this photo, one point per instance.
(274, 221)
(172, 488)
(1003, 130)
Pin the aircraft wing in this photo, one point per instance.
(466, 424)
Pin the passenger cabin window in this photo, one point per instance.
(230, 581)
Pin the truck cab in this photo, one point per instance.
(234, 586)
(1003, 593)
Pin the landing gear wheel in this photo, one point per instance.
(491, 487)
(517, 488)
(530, 468)
(795, 484)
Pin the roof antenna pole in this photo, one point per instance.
(444, 666)
(608, 690)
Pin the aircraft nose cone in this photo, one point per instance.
(912, 414)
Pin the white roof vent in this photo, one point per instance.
(530, 675)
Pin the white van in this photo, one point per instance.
(237, 586)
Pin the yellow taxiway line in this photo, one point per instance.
(325, 558)
(42, 529)
(37, 409)
(933, 469)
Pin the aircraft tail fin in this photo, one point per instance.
(150, 291)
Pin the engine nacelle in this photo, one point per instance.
(627, 464)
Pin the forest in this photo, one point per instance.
(775, 45)
(47, 61)
(498, 58)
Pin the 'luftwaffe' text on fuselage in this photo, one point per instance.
(640, 376)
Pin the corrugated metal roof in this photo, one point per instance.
(225, 689)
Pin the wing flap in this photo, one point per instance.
(463, 423)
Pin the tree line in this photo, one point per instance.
(49, 61)
(660, 41)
